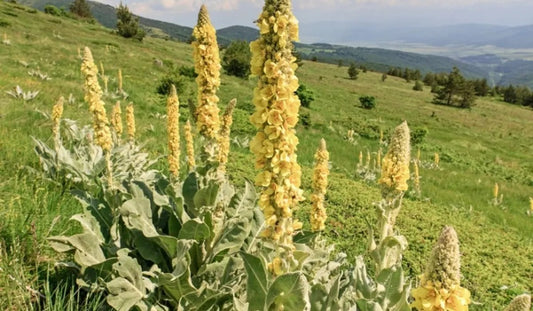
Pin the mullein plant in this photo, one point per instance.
(93, 96)
(436, 160)
(440, 285)
(119, 89)
(130, 122)
(497, 198)
(393, 181)
(319, 185)
(57, 112)
(520, 303)
(105, 78)
(224, 136)
(116, 121)
(189, 143)
(275, 116)
(207, 66)
(173, 129)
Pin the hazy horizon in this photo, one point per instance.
(387, 13)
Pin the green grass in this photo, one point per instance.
(478, 147)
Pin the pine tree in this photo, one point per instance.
(127, 24)
(81, 9)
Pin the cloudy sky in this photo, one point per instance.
(385, 12)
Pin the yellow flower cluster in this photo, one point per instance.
(120, 80)
(224, 136)
(520, 303)
(57, 112)
(190, 145)
(440, 284)
(116, 119)
(93, 95)
(207, 66)
(173, 129)
(130, 121)
(433, 297)
(320, 183)
(275, 116)
(395, 166)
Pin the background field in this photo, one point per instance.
(492, 142)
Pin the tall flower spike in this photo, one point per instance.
(224, 136)
(275, 116)
(173, 129)
(320, 183)
(437, 159)
(116, 119)
(93, 96)
(495, 191)
(190, 146)
(368, 159)
(520, 303)
(417, 177)
(440, 287)
(120, 80)
(57, 112)
(395, 166)
(130, 122)
(207, 66)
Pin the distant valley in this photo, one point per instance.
(503, 55)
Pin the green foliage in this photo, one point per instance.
(173, 77)
(456, 91)
(236, 59)
(418, 86)
(81, 8)
(418, 135)
(305, 119)
(383, 77)
(367, 101)
(53, 10)
(127, 24)
(305, 95)
(353, 72)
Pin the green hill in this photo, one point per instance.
(491, 143)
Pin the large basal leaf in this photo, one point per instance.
(289, 290)
(86, 246)
(368, 305)
(178, 286)
(234, 234)
(137, 215)
(194, 229)
(90, 225)
(190, 187)
(98, 209)
(206, 196)
(395, 288)
(243, 199)
(256, 282)
(363, 283)
(128, 289)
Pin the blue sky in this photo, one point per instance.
(384, 12)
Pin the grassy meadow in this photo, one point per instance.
(491, 143)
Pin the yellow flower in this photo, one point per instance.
(173, 129)
(275, 267)
(120, 80)
(520, 303)
(190, 146)
(57, 112)
(207, 66)
(440, 287)
(116, 119)
(437, 159)
(275, 116)
(320, 183)
(224, 136)
(495, 191)
(130, 121)
(93, 94)
(395, 165)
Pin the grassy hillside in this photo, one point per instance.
(490, 143)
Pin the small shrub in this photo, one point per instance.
(187, 71)
(418, 86)
(53, 10)
(353, 72)
(305, 119)
(179, 81)
(236, 59)
(305, 95)
(418, 135)
(127, 24)
(368, 102)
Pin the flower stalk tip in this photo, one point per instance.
(173, 115)
(395, 164)
(319, 184)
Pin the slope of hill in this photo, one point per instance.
(382, 60)
(478, 147)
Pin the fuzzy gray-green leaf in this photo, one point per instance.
(137, 215)
(290, 291)
(194, 229)
(256, 282)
